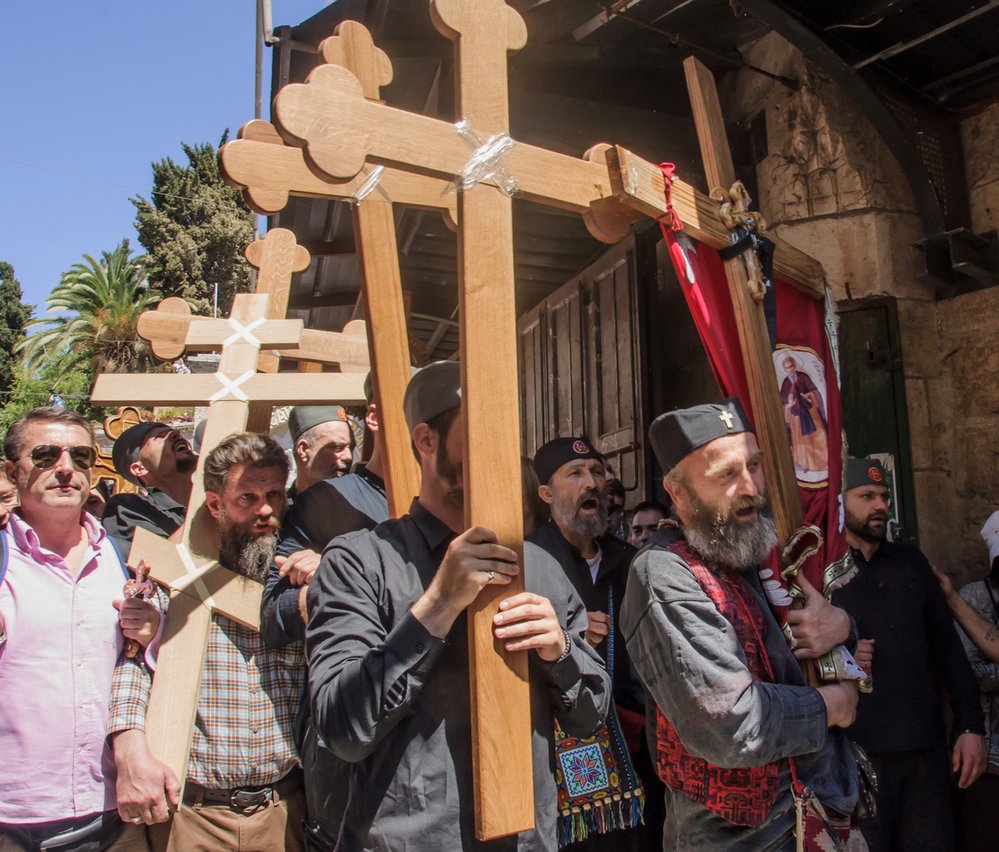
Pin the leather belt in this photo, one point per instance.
(244, 798)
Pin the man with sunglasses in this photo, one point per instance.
(59, 647)
(160, 459)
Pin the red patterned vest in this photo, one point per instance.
(742, 796)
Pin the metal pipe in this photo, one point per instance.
(895, 50)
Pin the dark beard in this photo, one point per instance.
(186, 464)
(863, 529)
(727, 544)
(243, 552)
(453, 474)
(567, 515)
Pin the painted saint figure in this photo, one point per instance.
(805, 416)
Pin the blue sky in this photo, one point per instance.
(93, 94)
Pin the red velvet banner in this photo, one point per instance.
(804, 372)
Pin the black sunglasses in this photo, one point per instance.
(45, 456)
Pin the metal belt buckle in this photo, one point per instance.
(243, 799)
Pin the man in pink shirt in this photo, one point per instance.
(60, 640)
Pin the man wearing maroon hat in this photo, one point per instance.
(896, 600)
(735, 721)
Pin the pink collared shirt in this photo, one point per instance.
(55, 678)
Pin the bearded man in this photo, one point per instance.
(389, 657)
(571, 476)
(244, 784)
(732, 708)
(896, 600)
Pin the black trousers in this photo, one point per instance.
(915, 806)
(978, 815)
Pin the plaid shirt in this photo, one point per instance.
(250, 697)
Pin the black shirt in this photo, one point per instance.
(155, 511)
(332, 507)
(896, 600)
(394, 700)
(604, 594)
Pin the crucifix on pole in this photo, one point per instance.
(342, 132)
(187, 565)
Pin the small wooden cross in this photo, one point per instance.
(188, 564)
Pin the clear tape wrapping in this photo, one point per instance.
(486, 162)
(369, 185)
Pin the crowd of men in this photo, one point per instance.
(676, 701)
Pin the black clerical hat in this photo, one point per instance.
(126, 448)
(676, 434)
(557, 452)
(864, 472)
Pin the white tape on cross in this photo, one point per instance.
(244, 332)
(193, 576)
(230, 387)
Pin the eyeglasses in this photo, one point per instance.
(45, 456)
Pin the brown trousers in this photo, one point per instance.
(218, 828)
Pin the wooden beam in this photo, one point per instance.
(640, 185)
(754, 339)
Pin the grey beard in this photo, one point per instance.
(728, 545)
(248, 555)
(590, 527)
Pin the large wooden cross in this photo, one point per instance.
(268, 175)
(188, 566)
(341, 131)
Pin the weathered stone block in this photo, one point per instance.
(920, 434)
(917, 326)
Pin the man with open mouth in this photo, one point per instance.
(735, 721)
(158, 459)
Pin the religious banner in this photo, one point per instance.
(806, 376)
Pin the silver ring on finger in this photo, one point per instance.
(490, 575)
(136, 820)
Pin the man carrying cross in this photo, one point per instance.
(243, 783)
(735, 722)
(389, 652)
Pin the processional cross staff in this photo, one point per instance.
(269, 171)
(340, 131)
(187, 564)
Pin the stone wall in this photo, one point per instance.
(829, 185)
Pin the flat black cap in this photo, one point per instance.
(126, 448)
(864, 472)
(676, 434)
(559, 451)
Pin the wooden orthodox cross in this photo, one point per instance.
(269, 174)
(340, 131)
(188, 566)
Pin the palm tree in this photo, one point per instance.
(102, 301)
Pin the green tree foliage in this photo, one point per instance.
(13, 316)
(195, 231)
(30, 390)
(99, 303)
